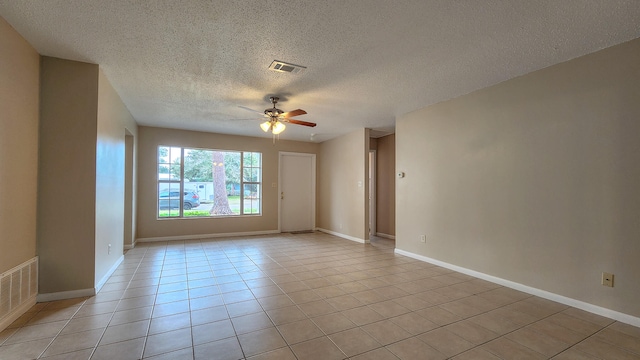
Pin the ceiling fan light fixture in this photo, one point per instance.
(265, 126)
(278, 127)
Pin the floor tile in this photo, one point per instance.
(573, 354)
(35, 332)
(5, 334)
(24, 350)
(438, 315)
(471, 332)
(125, 350)
(167, 342)
(377, 354)
(299, 331)
(476, 354)
(333, 323)
(252, 322)
(243, 308)
(261, 341)
(507, 349)
(213, 298)
(414, 349)
(48, 316)
(73, 342)
(318, 349)
(284, 353)
(171, 308)
(541, 343)
(362, 315)
(275, 302)
(605, 350)
(389, 309)
(226, 349)
(128, 331)
(354, 341)
(212, 332)
(317, 308)
(74, 355)
(386, 332)
(413, 323)
(169, 323)
(207, 315)
(131, 315)
(446, 342)
(619, 339)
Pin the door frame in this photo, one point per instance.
(281, 154)
(372, 193)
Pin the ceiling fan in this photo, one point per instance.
(277, 118)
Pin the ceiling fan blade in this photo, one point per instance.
(250, 109)
(299, 122)
(293, 113)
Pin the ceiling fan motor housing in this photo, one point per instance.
(273, 112)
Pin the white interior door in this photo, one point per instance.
(297, 191)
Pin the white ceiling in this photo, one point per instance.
(191, 64)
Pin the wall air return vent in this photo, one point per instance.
(281, 66)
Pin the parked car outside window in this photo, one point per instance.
(171, 200)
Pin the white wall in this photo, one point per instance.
(534, 180)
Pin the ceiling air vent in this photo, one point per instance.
(281, 66)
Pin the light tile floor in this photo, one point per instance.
(305, 296)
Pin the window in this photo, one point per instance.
(208, 183)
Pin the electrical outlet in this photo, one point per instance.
(109, 251)
(423, 238)
(607, 279)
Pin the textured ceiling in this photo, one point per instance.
(191, 64)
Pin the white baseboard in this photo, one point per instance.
(206, 236)
(386, 236)
(130, 246)
(344, 236)
(612, 314)
(19, 311)
(106, 276)
(63, 295)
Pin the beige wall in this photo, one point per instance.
(534, 180)
(386, 185)
(342, 185)
(113, 121)
(19, 97)
(149, 140)
(67, 175)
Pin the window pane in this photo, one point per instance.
(251, 199)
(213, 182)
(168, 163)
(197, 182)
(168, 199)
